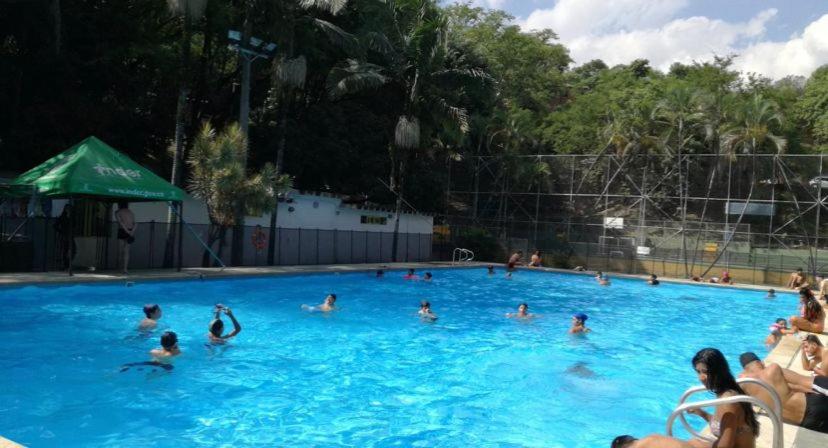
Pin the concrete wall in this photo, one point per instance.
(306, 211)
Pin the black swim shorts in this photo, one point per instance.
(123, 235)
(816, 408)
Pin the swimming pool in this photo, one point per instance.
(371, 374)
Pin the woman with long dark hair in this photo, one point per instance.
(812, 316)
(733, 425)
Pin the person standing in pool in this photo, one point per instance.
(427, 277)
(522, 312)
(579, 324)
(168, 350)
(217, 326)
(653, 280)
(325, 307)
(411, 275)
(490, 270)
(425, 312)
(152, 313)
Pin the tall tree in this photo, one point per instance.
(189, 11)
(411, 40)
(750, 130)
(219, 177)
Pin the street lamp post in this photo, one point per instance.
(249, 49)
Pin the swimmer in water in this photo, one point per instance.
(653, 280)
(217, 326)
(380, 273)
(326, 306)
(168, 350)
(425, 312)
(508, 276)
(604, 281)
(522, 313)
(771, 294)
(777, 330)
(410, 275)
(152, 313)
(491, 270)
(427, 277)
(579, 324)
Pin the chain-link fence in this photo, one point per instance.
(37, 244)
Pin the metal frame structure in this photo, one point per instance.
(582, 191)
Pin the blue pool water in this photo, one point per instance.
(371, 374)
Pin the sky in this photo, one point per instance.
(775, 38)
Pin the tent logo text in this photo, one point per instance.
(107, 171)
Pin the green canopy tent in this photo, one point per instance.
(93, 169)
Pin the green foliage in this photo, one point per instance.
(484, 245)
(218, 176)
(355, 79)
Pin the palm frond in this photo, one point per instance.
(337, 36)
(292, 72)
(353, 77)
(332, 6)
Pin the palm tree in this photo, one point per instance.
(679, 112)
(189, 11)
(414, 58)
(750, 131)
(219, 178)
(290, 73)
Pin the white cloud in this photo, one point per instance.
(494, 4)
(623, 30)
(797, 56)
(573, 18)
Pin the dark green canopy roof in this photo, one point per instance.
(93, 168)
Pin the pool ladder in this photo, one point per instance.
(460, 255)
(775, 414)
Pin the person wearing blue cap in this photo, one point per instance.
(579, 323)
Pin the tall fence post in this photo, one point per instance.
(151, 243)
(317, 246)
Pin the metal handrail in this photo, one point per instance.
(775, 414)
(460, 255)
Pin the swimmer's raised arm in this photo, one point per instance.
(236, 326)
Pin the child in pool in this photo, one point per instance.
(777, 330)
(325, 307)
(152, 313)
(579, 324)
(425, 312)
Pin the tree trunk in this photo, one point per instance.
(397, 178)
(280, 152)
(180, 122)
(222, 241)
(741, 215)
(54, 10)
(212, 237)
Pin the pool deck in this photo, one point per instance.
(786, 353)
